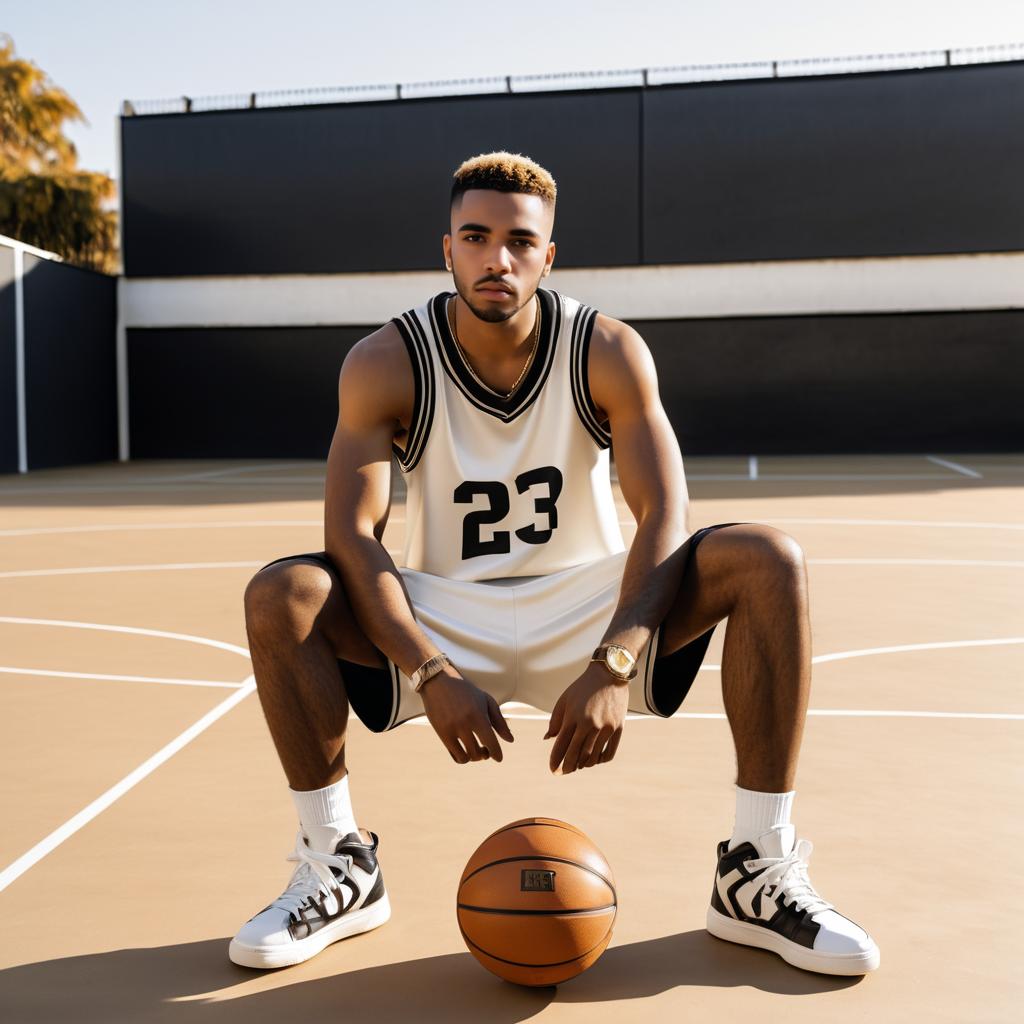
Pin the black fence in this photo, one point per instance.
(895, 163)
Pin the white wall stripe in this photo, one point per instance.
(954, 466)
(102, 802)
(768, 288)
(52, 673)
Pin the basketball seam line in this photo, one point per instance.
(540, 856)
(515, 963)
(542, 913)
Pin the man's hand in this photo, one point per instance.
(464, 717)
(587, 720)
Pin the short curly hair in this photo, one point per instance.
(504, 172)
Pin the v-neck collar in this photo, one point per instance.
(509, 407)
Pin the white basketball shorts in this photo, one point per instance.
(521, 639)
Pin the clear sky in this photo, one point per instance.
(105, 51)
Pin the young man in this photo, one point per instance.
(500, 402)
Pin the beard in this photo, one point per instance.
(488, 314)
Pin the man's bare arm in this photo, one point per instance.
(371, 392)
(624, 383)
(374, 392)
(586, 721)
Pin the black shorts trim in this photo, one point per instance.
(674, 673)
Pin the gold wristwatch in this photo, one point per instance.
(617, 660)
(428, 670)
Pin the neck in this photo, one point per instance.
(508, 339)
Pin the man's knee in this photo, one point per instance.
(286, 594)
(756, 550)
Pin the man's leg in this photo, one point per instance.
(299, 624)
(762, 896)
(756, 577)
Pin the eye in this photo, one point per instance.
(469, 238)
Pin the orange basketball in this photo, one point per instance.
(537, 902)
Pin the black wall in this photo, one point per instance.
(8, 378)
(70, 364)
(828, 384)
(833, 384)
(235, 392)
(908, 162)
(364, 187)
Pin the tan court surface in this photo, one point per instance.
(910, 784)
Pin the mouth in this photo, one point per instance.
(494, 291)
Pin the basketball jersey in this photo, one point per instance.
(499, 486)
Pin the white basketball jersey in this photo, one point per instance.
(505, 486)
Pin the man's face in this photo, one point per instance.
(499, 249)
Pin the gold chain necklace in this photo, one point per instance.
(450, 310)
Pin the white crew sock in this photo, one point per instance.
(757, 812)
(325, 814)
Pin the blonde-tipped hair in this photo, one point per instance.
(504, 172)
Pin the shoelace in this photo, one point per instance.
(313, 877)
(788, 875)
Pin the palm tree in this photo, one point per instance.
(45, 199)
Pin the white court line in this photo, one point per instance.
(143, 487)
(752, 467)
(102, 802)
(812, 712)
(52, 673)
(963, 470)
(162, 567)
(984, 563)
(186, 566)
(34, 531)
(221, 645)
(83, 817)
(211, 473)
(943, 524)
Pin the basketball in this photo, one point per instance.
(537, 902)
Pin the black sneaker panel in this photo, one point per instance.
(376, 892)
(788, 921)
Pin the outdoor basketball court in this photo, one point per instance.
(147, 815)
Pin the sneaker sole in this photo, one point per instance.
(727, 928)
(267, 957)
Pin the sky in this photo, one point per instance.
(109, 50)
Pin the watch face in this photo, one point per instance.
(619, 659)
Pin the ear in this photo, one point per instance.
(446, 246)
(550, 258)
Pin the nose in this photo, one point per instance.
(499, 260)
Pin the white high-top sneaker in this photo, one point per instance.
(763, 897)
(329, 897)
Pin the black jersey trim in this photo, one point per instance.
(583, 328)
(423, 402)
(505, 409)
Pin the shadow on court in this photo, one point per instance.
(196, 982)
